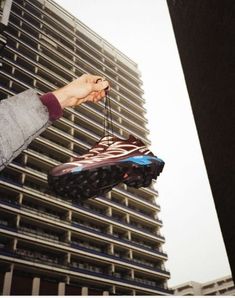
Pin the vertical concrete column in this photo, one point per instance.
(125, 186)
(74, 48)
(68, 258)
(109, 195)
(127, 218)
(156, 231)
(69, 215)
(114, 289)
(129, 235)
(14, 244)
(132, 273)
(111, 269)
(110, 229)
(133, 292)
(17, 221)
(7, 281)
(68, 236)
(130, 254)
(36, 286)
(84, 291)
(111, 249)
(126, 202)
(61, 288)
(20, 198)
(71, 132)
(22, 180)
(25, 159)
(109, 211)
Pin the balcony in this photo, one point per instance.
(68, 269)
(120, 221)
(84, 40)
(135, 212)
(56, 40)
(65, 246)
(83, 227)
(56, 67)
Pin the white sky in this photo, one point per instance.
(142, 30)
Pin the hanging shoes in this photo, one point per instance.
(110, 162)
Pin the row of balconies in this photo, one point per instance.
(93, 256)
(38, 16)
(30, 67)
(136, 198)
(93, 275)
(121, 236)
(127, 126)
(80, 244)
(117, 217)
(70, 46)
(101, 206)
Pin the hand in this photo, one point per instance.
(85, 88)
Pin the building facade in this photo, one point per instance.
(107, 245)
(219, 287)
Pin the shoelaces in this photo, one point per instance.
(108, 119)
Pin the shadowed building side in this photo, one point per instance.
(204, 32)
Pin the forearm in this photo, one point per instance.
(23, 117)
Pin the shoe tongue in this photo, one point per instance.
(110, 139)
(114, 139)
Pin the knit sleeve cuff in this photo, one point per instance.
(53, 106)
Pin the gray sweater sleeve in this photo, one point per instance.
(22, 118)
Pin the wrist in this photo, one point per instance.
(63, 96)
(53, 106)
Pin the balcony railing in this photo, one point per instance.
(48, 237)
(120, 221)
(89, 229)
(132, 209)
(67, 49)
(89, 272)
(92, 48)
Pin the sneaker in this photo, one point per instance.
(110, 162)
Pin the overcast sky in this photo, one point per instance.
(142, 30)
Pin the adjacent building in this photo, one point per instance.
(219, 287)
(104, 246)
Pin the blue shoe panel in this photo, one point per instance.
(143, 159)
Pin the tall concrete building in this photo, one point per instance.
(223, 286)
(107, 245)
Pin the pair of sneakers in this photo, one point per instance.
(111, 161)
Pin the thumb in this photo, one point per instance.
(100, 86)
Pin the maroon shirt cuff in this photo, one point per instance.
(53, 106)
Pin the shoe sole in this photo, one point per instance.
(91, 183)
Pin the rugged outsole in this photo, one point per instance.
(98, 181)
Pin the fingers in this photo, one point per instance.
(95, 96)
(100, 85)
(88, 78)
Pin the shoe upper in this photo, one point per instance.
(108, 149)
(98, 148)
